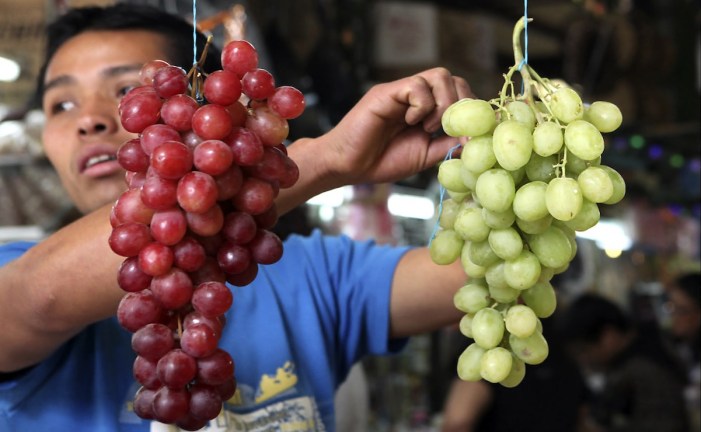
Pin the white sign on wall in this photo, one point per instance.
(405, 34)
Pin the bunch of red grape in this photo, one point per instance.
(199, 210)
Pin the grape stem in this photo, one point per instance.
(531, 79)
(196, 74)
(520, 66)
(519, 63)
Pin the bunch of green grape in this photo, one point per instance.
(528, 178)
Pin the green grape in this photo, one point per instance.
(468, 118)
(534, 227)
(469, 178)
(471, 298)
(471, 269)
(487, 328)
(465, 325)
(573, 245)
(523, 271)
(495, 275)
(518, 174)
(532, 350)
(470, 363)
(587, 217)
(541, 168)
(566, 105)
(546, 274)
(470, 225)
(513, 144)
(517, 373)
(481, 253)
(575, 165)
(619, 185)
(552, 247)
(541, 298)
(449, 212)
(506, 243)
(459, 197)
(565, 228)
(477, 154)
(547, 139)
(503, 293)
(561, 269)
(446, 247)
(584, 140)
(520, 320)
(495, 189)
(495, 364)
(529, 201)
(522, 113)
(450, 176)
(605, 116)
(498, 220)
(563, 198)
(596, 184)
(539, 326)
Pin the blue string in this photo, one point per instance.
(442, 194)
(194, 32)
(524, 61)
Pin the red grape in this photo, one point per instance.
(222, 87)
(258, 84)
(239, 57)
(287, 102)
(152, 341)
(198, 214)
(170, 81)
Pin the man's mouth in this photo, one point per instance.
(101, 165)
(98, 159)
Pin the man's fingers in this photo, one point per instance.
(433, 91)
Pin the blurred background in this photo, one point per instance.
(642, 55)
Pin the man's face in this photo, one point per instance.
(685, 313)
(85, 80)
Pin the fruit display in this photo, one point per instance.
(202, 174)
(529, 177)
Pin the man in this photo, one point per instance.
(294, 333)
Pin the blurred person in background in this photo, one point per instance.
(640, 382)
(684, 307)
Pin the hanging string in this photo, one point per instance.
(524, 61)
(194, 32)
(442, 195)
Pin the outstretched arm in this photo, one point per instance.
(68, 281)
(390, 134)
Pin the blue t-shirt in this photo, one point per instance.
(293, 333)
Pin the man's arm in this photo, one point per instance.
(50, 293)
(69, 280)
(422, 294)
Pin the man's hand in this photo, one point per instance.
(393, 131)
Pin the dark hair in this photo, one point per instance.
(126, 16)
(587, 316)
(690, 283)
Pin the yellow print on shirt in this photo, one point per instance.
(271, 386)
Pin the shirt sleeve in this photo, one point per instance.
(12, 251)
(361, 273)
